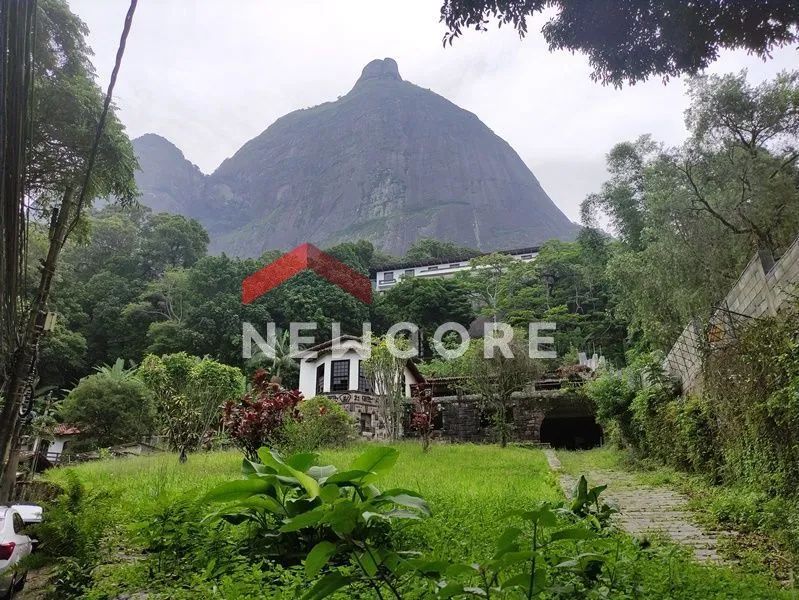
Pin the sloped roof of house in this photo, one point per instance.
(65, 429)
(324, 346)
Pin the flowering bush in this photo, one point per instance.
(258, 418)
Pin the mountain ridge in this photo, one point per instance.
(389, 161)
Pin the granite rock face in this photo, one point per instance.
(389, 161)
(167, 181)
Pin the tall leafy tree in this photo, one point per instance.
(495, 379)
(78, 151)
(690, 217)
(427, 303)
(427, 249)
(633, 40)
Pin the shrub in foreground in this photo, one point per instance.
(320, 422)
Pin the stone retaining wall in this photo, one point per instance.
(763, 289)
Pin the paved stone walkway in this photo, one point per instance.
(647, 509)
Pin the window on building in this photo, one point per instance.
(320, 378)
(410, 272)
(388, 276)
(340, 376)
(455, 265)
(366, 422)
(432, 268)
(364, 385)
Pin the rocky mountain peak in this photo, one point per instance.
(380, 69)
(390, 162)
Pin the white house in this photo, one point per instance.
(336, 369)
(390, 275)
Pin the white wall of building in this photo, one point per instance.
(349, 350)
(390, 277)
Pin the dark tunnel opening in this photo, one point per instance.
(571, 433)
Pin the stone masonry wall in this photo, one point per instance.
(463, 418)
(758, 292)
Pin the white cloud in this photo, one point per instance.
(211, 75)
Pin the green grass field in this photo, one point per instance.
(468, 487)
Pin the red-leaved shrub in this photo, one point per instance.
(257, 419)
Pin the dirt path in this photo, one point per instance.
(647, 509)
(35, 586)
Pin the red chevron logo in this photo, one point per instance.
(306, 256)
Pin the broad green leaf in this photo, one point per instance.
(318, 556)
(236, 518)
(408, 500)
(329, 493)
(429, 568)
(301, 521)
(398, 513)
(342, 518)
(377, 460)
(368, 516)
(347, 477)
(270, 458)
(302, 461)
(391, 560)
(320, 473)
(262, 503)
(250, 468)
(367, 562)
(461, 570)
(274, 460)
(572, 533)
(326, 586)
(237, 490)
(522, 580)
(596, 491)
(507, 541)
(309, 483)
(513, 558)
(301, 505)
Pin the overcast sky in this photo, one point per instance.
(211, 74)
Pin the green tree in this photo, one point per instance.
(172, 241)
(567, 284)
(386, 373)
(189, 393)
(495, 379)
(62, 357)
(109, 410)
(690, 218)
(322, 423)
(425, 249)
(427, 303)
(78, 151)
(631, 41)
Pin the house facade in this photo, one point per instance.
(390, 275)
(336, 369)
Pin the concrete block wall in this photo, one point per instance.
(757, 293)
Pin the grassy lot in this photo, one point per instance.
(469, 488)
